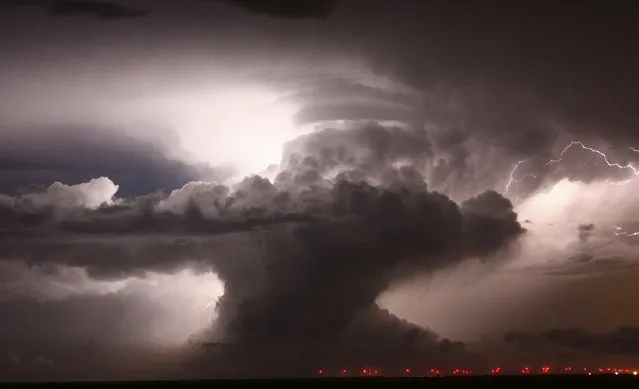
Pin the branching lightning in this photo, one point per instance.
(511, 177)
(629, 166)
(617, 231)
(600, 153)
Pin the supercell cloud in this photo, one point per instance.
(253, 188)
(301, 258)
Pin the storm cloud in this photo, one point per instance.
(346, 181)
(301, 258)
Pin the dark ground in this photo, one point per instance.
(502, 381)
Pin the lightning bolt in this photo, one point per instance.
(511, 178)
(617, 231)
(600, 153)
(629, 166)
(210, 306)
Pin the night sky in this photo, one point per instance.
(262, 188)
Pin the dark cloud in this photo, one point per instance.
(375, 236)
(98, 9)
(289, 9)
(507, 75)
(53, 219)
(585, 231)
(332, 247)
(374, 337)
(624, 340)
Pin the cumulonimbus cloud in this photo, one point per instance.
(302, 257)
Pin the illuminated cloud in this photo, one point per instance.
(275, 245)
(323, 178)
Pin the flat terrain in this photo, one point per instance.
(502, 381)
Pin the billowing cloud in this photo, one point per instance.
(578, 256)
(302, 258)
(405, 198)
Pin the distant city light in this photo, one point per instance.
(496, 370)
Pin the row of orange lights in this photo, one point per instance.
(407, 371)
(610, 370)
(495, 371)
